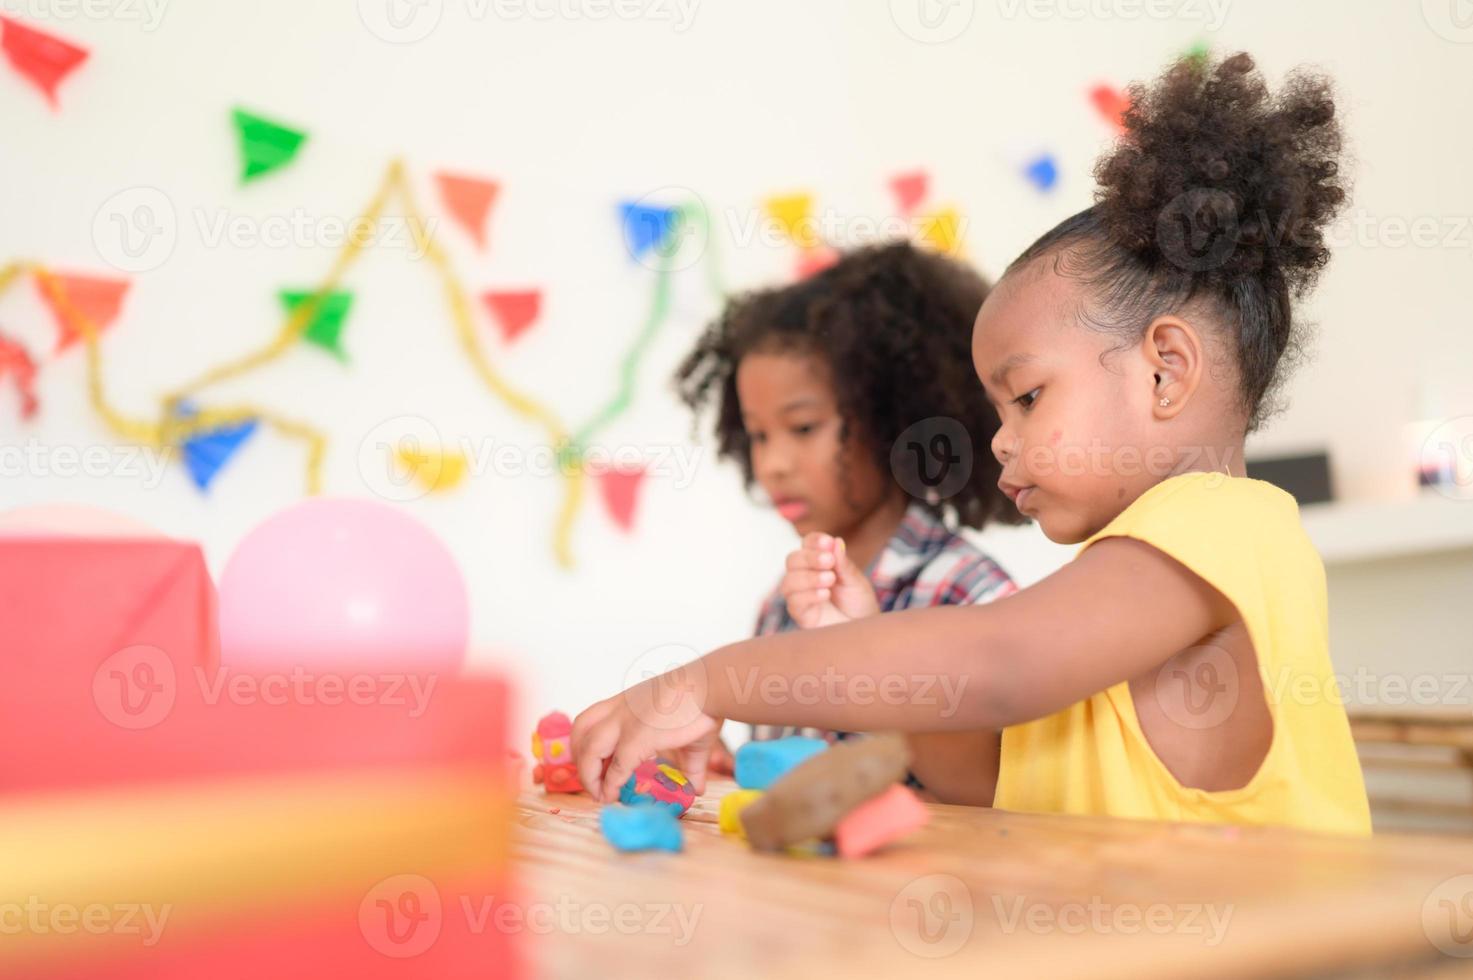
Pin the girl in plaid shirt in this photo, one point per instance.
(849, 398)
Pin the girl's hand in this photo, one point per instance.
(659, 714)
(822, 586)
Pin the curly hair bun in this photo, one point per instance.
(1219, 178)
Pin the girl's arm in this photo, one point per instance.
(1119, 609)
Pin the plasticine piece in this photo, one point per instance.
(552, 748)
(656, 781)
(732, 805)
(642, 827)
(760, 764)
(813, 797)
(880, 820)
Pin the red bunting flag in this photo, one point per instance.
(16, 362)
(42, 59)
(619, 488)
(513, 310)
(93, 297)
(812, 261)
(1111, 104)
(910, 190)
(469, 200)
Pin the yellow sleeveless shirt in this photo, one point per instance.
(1244, 538)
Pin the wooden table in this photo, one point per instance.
(987, 894)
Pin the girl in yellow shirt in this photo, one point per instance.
(1178, 667)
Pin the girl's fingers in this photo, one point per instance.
(806, 559)
(795, 583)
(627, 758)
(596, 745)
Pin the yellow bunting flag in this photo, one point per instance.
(793, 213)
(941, 229)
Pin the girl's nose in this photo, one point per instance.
(1004, 445)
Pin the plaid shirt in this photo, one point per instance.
(924, 564)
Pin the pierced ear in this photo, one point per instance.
(1174, 349)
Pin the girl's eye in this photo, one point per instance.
(1027, 399)
(804, 430)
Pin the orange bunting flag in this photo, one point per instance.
(43, 60)
(792, 213)
(619, 488)
(910, 190)
(469, 200)
(1111, 104)
(92, 297)
(513, 310)
(16, 361)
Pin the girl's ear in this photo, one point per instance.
(1174, 350)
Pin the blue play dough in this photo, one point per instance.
(760, 764)
(642, 827)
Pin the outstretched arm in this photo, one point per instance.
(1119, 609)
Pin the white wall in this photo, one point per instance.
(574, 113)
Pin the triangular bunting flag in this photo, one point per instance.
(812, 261)
(40, 58)
(92, 297)
(264, 145)
(325, 328)
(1111, 104)
(436, 470)
(619, 488)
(1042, 172)
(469, 200)
(910, 190)
(942, 230)
(513, 310)
(791, 212)
(207, 452)
(16, 362)
(646, 226)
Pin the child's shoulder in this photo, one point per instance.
(1209, 504)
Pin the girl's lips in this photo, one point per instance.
(792, 510)
(1021, 500)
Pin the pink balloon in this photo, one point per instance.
(343, 584)
(73, 520)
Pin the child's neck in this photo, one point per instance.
(868, 536)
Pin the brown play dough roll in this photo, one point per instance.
(811, 799)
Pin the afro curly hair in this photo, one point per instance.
(894, 325)
(1218, 190)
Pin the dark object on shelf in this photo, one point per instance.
(1306, 477)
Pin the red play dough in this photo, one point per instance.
(880, 820)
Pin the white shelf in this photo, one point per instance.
(1373, 531)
